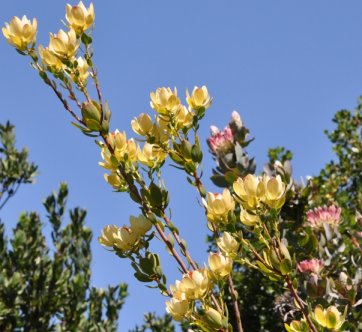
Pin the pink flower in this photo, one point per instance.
(221, 142)
(314, 266)
(324, 215)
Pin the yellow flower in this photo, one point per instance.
(151, 155)
(140, 225)
(115, 181)
(109, 233)
(177, 308)
(330, 318)
(247, 218)
(81, 72)
(125, 239)
(272, 191)
(183, 117)
(219, 206)
(195, 284)
(142, 125)
(79, 17)
(227, 244)
(159, 132)
(64, 44)
(246, 190)
(297, 326)
(199, 99)
(219, 264)
(164, 100)
(50, 59)
(20, 32)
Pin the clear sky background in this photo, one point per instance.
(286, 66)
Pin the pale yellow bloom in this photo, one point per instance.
(140, 225)
(247, 218)
(219, 206)
(183, 117)
(199, 98)
(219, 264)
(82, 73)
(330, 318)
(151, 155)
(109, 233)
(247, 191)
(159, 132)
(50, 59)
(79, 17)
(272, 191)
(178, 309)
(164, 100)
(126, 238)
(142, 125)
(20, 32)
(115, 180)
(64, 44)
(227, 244)
(132, 150)
(195, 284)
(177, 292)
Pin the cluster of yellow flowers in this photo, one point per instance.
(252, 190)
(125, 238)
(62, 47)
(195, 285)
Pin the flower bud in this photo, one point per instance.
(79, 17)
(220, 264)
(311, 266)
(177, 308)
(297, 326)
(140, 225)
(247, 191)
(227, 244)
(142, 125)
(64, 44)
(109, 233)
(214, 319)
(221, 142)
(49, 59)
(219, 206)
(199, 99)
(115, 180)
(236, 120)
(20, 32)
(164, 100)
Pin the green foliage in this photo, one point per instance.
(15, 168)
(155, 324)
(46, 287)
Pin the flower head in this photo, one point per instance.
(219, 264)
(199, 98)
(324, 215)
(227, 244)
(177, 308)
(109, 233)
(81, 73)
(64, 44)
(219, 206)
(140, 225)
(151, 155)
(49, 59)
(314, 266)
(247, 191)
(79, 17)
(272, 191)
(20, 32)
(221, 142)
(330, 318)
(126, 238)
(142, 125)
(164, 100)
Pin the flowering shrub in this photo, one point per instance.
(262, 222)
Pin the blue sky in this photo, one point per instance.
(286, 66)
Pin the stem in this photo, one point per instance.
(235, 304)
(300, 303)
